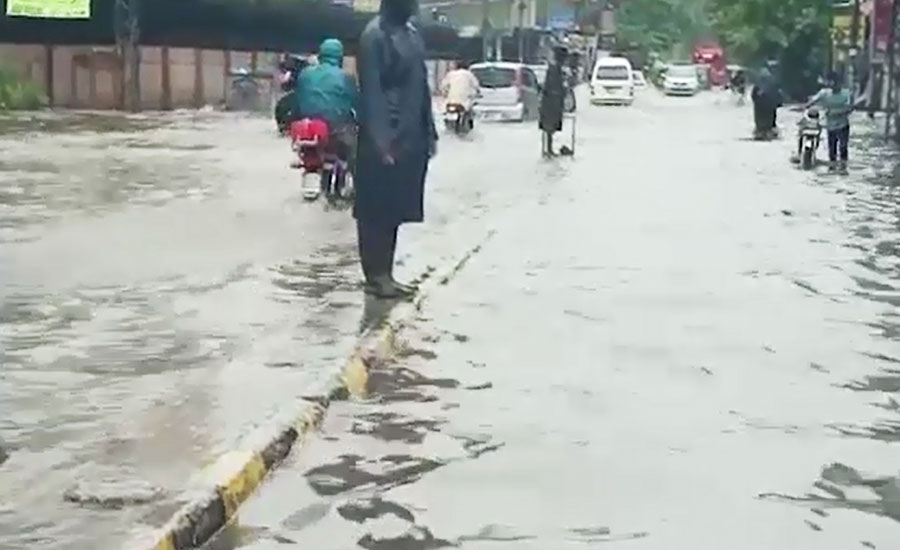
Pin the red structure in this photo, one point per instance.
(712, 55)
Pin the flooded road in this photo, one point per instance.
(164, 290)
(674, 341)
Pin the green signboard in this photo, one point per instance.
(54, 9)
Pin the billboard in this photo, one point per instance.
(49, 9)
(367, 6)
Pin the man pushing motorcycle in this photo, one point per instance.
(326, 92)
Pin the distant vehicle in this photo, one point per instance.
(681, 80)
(612, 81)
(639, 81)
(509, 91)
(711, 54)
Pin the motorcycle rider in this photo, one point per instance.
(838, 104)
(739, 82)
(460, 87)
(289, 68)
(325, 91)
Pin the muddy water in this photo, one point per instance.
(164, 291)
(678, 342)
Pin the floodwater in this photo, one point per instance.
(674, 341)
(164, 290)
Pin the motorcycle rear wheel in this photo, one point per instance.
(807, 159)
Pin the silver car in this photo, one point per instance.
(509, 91)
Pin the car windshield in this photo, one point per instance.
(682, 71)
(612, 73)
(495, 77)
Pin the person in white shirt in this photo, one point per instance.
(460, 86)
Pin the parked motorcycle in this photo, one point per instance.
(244, 92)
(326, 170)
(458, 119)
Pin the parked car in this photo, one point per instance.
(509, 91)
(681, 80)
(612, 81)
(639, 81)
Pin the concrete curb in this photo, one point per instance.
(237, 475)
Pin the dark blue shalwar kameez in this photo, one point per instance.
(396, 122)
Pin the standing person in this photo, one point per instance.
(838, 104)
(552, 100)
(766, 100)
(397, 139)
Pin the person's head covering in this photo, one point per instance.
(835, 80)
(559, 53)
(398, 11)
(331, 52)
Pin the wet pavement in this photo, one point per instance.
(164, 290)
(674, 341)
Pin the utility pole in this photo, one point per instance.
(854, 42)
(485, 29)
(890, 110)
(521, 7)
(127, 27)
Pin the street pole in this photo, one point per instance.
(485, 23)
(854, 41)
(127, 29)
(521, 6)
(890, 108)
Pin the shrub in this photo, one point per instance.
(19, 94)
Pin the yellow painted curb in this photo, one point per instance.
(196, 523)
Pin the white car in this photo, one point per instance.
(612, 81)
(540, 71)
(639, 81)
(509, 91)
(681, 80)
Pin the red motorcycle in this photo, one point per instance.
(324, 164)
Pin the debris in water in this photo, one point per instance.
(113, 494)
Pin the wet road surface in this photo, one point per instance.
(163, 291)
(677, 341)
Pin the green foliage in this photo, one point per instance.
(668, 27)
(19, 94)
(793, 32)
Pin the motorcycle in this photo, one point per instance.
(458, 119)
(326, 170)
(809, 136)
(245, 93)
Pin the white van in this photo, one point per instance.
(612, 82)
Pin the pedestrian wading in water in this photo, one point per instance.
(396, 140)
(838, 104)
(553, 98)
